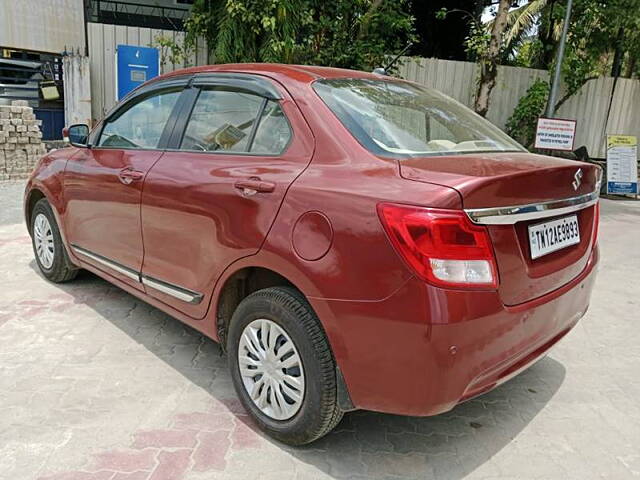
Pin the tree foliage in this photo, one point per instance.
(490, 58)
(522, 124)
(598, 29)
(603, 39)
(484, 45)
(355, 34)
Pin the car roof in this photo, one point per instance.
(296, 73)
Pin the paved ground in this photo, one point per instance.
(96, 385)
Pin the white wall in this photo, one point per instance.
(42, 25)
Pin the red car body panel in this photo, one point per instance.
(213, 224)
(501, 179)
(427, 366)
(102, 213)
(402, 345)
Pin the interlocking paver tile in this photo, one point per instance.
(96, 385)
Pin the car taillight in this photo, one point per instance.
(443, 247)
(596, 222)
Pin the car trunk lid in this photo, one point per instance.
(493, 183)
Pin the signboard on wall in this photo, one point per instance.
(622, 164)
(555, 134)
(134, 66)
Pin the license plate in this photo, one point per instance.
(548, 237)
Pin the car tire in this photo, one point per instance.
(48, 248)
(318, 412)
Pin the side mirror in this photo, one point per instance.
(77, 135)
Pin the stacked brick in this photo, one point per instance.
(20, 140)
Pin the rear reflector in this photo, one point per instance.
(441, 246)
(596, 222)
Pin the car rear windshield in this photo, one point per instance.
(399, 119)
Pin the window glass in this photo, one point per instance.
(221, 121)
(141, 125)
(392, 118)
(273, 132)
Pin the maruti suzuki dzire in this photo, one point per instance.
(351, 240)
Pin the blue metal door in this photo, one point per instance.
(52, 122)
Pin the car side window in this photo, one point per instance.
(221, 121)
(224, 121)
(141, 124)
(273, 133)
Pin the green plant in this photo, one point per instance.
(355, 34)
(477, 42)
(484, 46)
(521, 126)
(172, 51)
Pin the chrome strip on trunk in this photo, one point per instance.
(175, 291)
(126, 271)
(532, 211)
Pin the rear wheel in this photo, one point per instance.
(48, 248)
(282, 367)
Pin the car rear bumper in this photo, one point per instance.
(423, 350)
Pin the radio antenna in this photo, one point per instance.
(385, 70)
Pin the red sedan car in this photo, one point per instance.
(353, 241)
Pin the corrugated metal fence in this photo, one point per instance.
(457, 79)
(103, 40)
(589, 106)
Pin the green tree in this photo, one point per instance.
(354, 34)
(489, 59)
(484, 45)
(604, 36)
(522, 124)
(603, 39)
(358, 33)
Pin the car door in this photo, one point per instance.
(103, 183)
(213, 196)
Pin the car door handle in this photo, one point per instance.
(251, 186)
(129, 175)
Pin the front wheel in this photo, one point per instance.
(48, 248)
(282, 367)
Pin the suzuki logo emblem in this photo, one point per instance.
(577, 179)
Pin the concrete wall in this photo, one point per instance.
(42, 25)
(77, 89)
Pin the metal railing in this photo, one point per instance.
(136, 14)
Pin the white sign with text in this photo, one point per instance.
(622, 164)
(555, 134)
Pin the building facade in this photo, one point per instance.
(35, 35)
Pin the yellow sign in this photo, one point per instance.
(621, 141)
